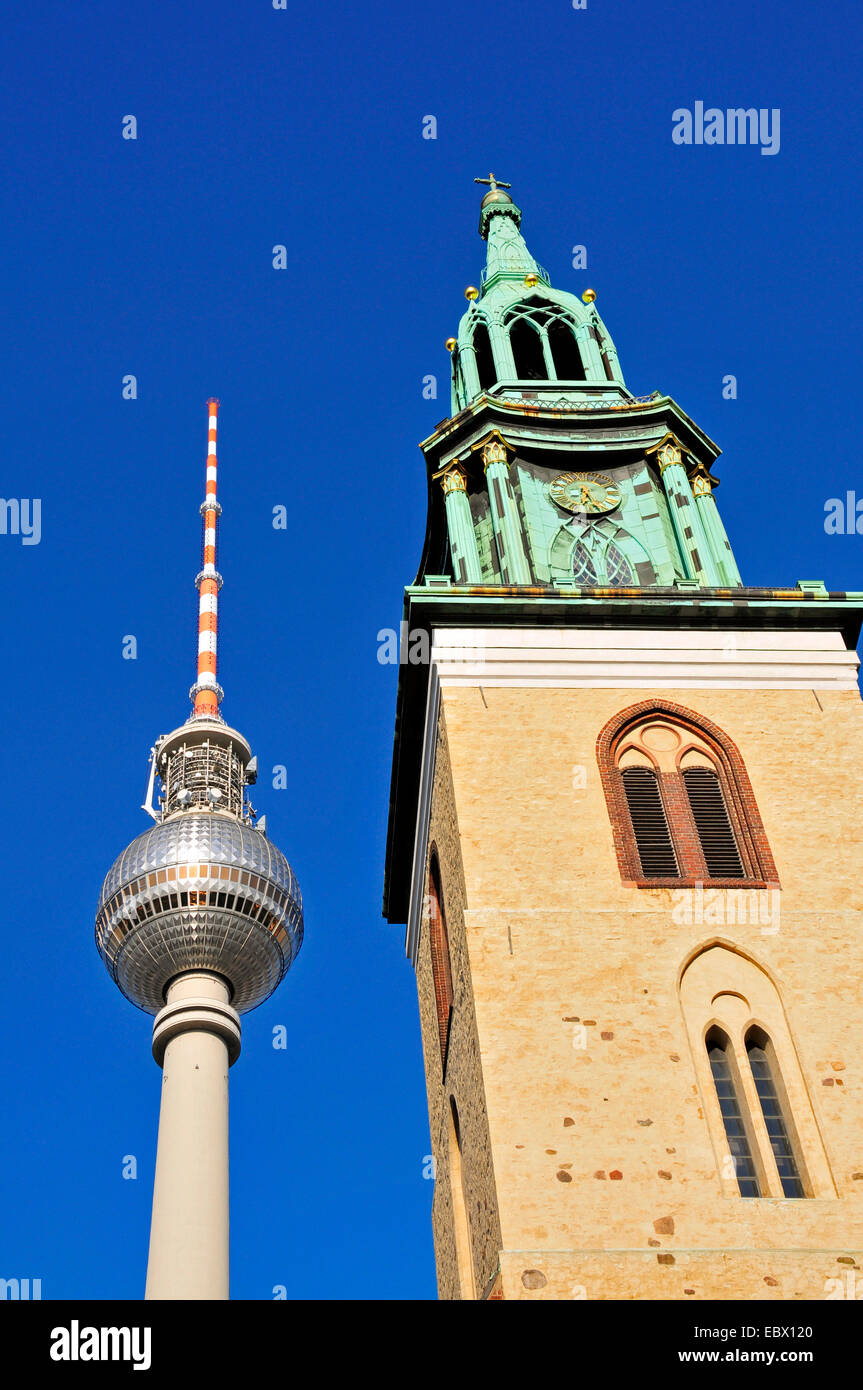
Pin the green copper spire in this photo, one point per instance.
(499, 223)
(553, 474)
(520, 330)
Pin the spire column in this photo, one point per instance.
(692, 539)
(604, 344)
(588, 346)
(466, 363)
(702, 491)
(462, 536)
(502, 350)
(504, 514)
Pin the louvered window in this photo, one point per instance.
(680, 802)
(655, 850)
(732, 1106)
(774, 1119)
(718, 844)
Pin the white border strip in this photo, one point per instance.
(427, 771)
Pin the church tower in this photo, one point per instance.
(625, 837)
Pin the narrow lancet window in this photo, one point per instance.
(732, 1108)
(765, 1073)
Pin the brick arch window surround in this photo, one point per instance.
(440, 957)
(680, 801)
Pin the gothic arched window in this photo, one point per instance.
(680, 802)
(755, 1096)
(597, 561)
(440, 958)
(544, 346)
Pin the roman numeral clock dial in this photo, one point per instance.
(591, 493)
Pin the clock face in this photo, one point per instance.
(591, 493)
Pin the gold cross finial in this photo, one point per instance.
(493, 183)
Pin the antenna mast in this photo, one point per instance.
(206, 692)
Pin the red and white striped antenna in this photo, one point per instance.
(206, 692)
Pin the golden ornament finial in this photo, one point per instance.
(531, 279)
(451, 344)
(589, 296)
(471, 292)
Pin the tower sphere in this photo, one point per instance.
(201, 890)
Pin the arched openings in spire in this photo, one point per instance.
(680, 802)
(485, 366)
(544, 346)
(568, 365)
(526, 343)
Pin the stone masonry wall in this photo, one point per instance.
(589, 1160)
(463, 1080)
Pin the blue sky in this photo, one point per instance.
(302, 127)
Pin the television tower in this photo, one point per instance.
(199, 920)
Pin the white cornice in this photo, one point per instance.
(626, 658)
